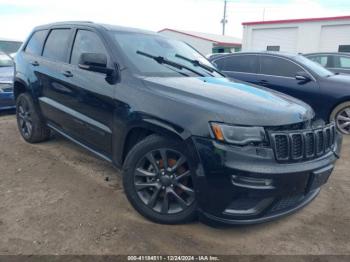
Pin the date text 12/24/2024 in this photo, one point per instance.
(173, 258)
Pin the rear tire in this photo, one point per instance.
(158, 180)
(30, 125)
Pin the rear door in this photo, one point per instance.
(241, 67)
(279, 74)
(52, 76)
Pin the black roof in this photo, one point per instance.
(95, 25)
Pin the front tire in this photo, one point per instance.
(31, 127)
(158, 180)
(341, 116)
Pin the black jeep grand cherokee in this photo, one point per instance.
(188, 139)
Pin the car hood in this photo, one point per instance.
(6, 74)
(232, 102)
(341, 79)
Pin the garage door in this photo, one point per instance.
(333, 36)
(285, 38)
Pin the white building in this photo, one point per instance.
(205, 43)
(326, 34)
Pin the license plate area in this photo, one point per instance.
(319, 177)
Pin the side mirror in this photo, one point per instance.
(94, 62)
(302, 76)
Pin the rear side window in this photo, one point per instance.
(275, 66)
(322, 60)
(86, 42)
(344, 62)
(56, 45)
(239, 63)
(36, 42)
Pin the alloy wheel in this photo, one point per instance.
(343, 120)
(162, 180)
(25, 119)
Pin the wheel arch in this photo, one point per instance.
(19, 87)
(138, 131)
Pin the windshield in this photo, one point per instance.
(133, 44)
(315, 67)
(5, 61)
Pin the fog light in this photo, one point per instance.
(252, 182)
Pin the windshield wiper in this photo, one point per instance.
(162, 60)
(198, 63)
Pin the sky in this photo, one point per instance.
(18, 17)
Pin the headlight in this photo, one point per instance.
(239, 135)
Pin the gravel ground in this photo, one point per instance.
(56, 198)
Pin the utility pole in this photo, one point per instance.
(224, 20)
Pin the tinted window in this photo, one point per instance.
(86, 42)
(322, 60)
(239, 63)
(56, 45)
(36, 42)
(278, 67)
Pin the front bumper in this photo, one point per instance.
(7, 101)
(246, 185)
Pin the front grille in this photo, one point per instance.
(302, 144)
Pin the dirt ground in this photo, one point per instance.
(54, 199)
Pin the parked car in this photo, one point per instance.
(295, 75)
(335, 62)
(6, 82)
(187, 139)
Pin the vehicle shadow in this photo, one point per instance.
(7, 112)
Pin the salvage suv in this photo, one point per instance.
(190, 141)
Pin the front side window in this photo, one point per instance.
(315, 68)
(132, 44)
(86, 42)
(36, 42)
(275, 66)
(56, 45)
(238, 63)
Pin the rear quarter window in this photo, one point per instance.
(56, 46)
(239, 63)
(36, 42)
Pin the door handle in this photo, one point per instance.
(35, 63)
(67, 73)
